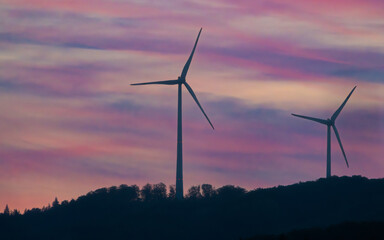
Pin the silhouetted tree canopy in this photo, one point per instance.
(55, 203)
(128, 212)
(146, 192)
(172, 192)
(194, 192)
(159, 191)
(15, 212)
(6, 210)
(207, 190)
(230, 192)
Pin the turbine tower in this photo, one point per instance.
(331, 123)
(181, 80)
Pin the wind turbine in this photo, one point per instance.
(331, 123)
(181, 80)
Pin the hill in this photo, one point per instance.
(126, 212)
(343, 231)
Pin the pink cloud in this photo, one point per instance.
(72, 122)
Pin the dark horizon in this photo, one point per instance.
(187, 190)
(224, 213)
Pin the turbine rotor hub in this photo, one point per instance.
(182, 80)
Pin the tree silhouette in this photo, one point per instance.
(146, 192)
(230, 192)
(15, 212)
(55, 203)
(207, 190)
(159, 191)
(130, 212)
(6, 210)
(194, 192)
(172, 192)
(129, 193)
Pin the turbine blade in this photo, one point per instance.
(334, 116)
(186, 66)
(168, 82)
(341, 145)
(197, 101)
(311, 118)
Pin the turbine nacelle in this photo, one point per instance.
(181, 79)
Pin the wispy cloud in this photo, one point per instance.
(70, 121)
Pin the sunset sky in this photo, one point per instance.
(70, 122)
